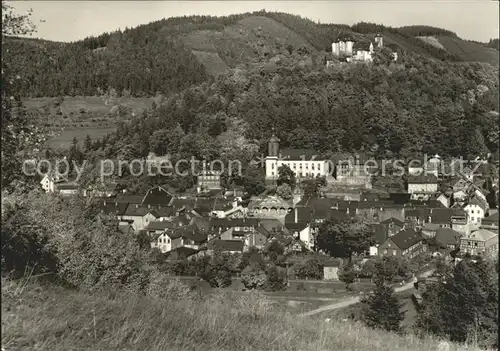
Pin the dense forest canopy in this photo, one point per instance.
(152, 58)
(419, 105)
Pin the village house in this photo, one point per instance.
(247, 230)
(447, 239)
(298, 223)
(49, 182)
(417, 217)
(139, 215)
(269, 207)
(331, 270)
(108, 190)
(422, 185)
(58, 185)
(67, 189)
(490, 223)
(476, 208)
(407, 243)
(444, 200)
(354, 171)
(480, 242)
(225, 246)
(186, 236)
(460, 184)
(383, 231)
(208, 181)
(222, 207)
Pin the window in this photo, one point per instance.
(272, 165)
(272, 173)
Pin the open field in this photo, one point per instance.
(469, 51)
(66, 137)
(69, 117)
(52, 318)
(433, 41)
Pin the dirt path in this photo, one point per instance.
(354, 300)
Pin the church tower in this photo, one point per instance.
(273, 146)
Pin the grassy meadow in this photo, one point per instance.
(40, 317)
(69, 117)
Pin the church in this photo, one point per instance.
(302, 162)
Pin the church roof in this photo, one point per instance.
(298, 154)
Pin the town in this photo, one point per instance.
(233, 178)
(441, 213)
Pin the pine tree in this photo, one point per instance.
(88, 143)
(383, 310)
(464, 304)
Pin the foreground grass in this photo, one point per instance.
(52, 318)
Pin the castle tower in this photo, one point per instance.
(379, 40)
(342, 46)
(273, 146)
(336, 48)
(349, 43)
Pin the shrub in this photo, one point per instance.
(276, 279)
(217, 273)
(310, 269)
(163, 287)
(253, 277)
(347, 276)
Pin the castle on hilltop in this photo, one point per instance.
(354, 51)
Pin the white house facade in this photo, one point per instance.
(301, 162)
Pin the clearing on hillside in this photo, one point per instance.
(469, 51)
(432, 41)
(77, 116)
(252, 39)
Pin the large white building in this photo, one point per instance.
(301, 161)
(357, 51)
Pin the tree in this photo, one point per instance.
(284, 191)
(309, 269)
(276, 278)
(88, 143)
(343, 237)
(15, 131)
(253, 277)
(389, 267)
(463, 304)
(286, 176)
(217, 273)
(309, 188)
(382, 308)
(348, 276)
(253, 181)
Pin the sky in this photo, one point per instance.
(73, 20)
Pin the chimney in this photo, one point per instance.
(296, 215)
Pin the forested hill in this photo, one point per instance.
(172, 54)
(419, 106)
